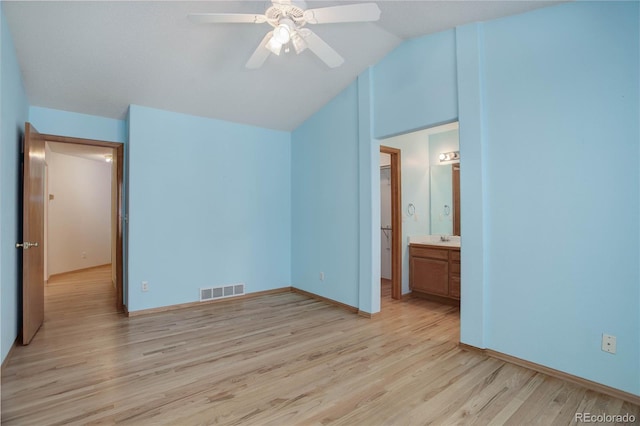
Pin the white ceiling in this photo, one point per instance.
(97, 57)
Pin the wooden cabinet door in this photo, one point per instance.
(429, 275)
(454, 280)
(454, 286)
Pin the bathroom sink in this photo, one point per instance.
(454, 241)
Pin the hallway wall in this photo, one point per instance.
(79, 228)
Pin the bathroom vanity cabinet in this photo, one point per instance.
(434, 272)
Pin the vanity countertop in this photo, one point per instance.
(434, 240)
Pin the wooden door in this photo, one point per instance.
(32, 234)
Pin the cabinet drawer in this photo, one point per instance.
(429, 252)
(455, 268)
(455, 255)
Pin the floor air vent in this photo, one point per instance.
(213, 293)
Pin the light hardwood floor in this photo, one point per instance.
(280, 359)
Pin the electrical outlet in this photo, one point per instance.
(321, 276)
(84, 255)
(144, 286)
(609, 343)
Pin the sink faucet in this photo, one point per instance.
(444, 238)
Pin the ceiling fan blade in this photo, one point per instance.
(363, 12)
(226, 18)
(318, 46)
(261, 53)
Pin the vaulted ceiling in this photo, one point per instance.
(97, 57)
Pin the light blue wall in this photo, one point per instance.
(415, 85)
(13, 114)
(209, 205)
(73, 124)
(562, 106)
(473, 196)
(369, 200)
(325, 201)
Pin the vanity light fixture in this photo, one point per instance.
(450, 156)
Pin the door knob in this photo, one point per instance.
(26, 245)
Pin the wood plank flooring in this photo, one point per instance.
(280, 359)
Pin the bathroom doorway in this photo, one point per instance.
(390, 223)
(429, 213)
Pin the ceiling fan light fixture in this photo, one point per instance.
(288, 19)
(282, 33)
(274, 46)
(298, 43)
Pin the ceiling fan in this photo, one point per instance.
(289, 20)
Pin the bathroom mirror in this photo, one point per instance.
(445, 199)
